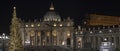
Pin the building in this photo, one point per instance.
(54, 34)
(92, 38)
(103, 20)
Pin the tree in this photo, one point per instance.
(15, 42)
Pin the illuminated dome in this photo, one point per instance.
(52, 15)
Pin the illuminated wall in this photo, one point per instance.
(104, 20)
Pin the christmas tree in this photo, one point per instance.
(15, 42)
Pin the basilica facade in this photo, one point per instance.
(60, 34)
(51, 31)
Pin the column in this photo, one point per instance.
(45, 38)
(94, 42)
(109, 39)
(49, 38)
(40, 39)
(119, 41)
(114, 41)
(90, 41)
(36, 38)
(58, 41)
(83, 42)
(23, 36)
(99, 42)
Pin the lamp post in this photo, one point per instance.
(3, 38)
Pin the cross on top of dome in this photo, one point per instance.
(52, 15)
(51, 7)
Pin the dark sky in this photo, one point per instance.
(35, 9)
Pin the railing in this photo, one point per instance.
(101, 31)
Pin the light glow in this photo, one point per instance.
(26, 25)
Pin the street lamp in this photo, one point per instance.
(3, 38)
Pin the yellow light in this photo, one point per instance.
(54, 34)
(68, 34)
(48, 33)
(32, 25)
(38, 33)
(79, 39)
(68, 24)
(60, 25)
(26, 25)
(52, 8)
(54, 25)
(38, 25)
(59, 20)
(55, 19)
(63, 43)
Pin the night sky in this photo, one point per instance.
(35, 9)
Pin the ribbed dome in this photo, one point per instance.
(52, 16)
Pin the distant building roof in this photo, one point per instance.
(104, 20)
